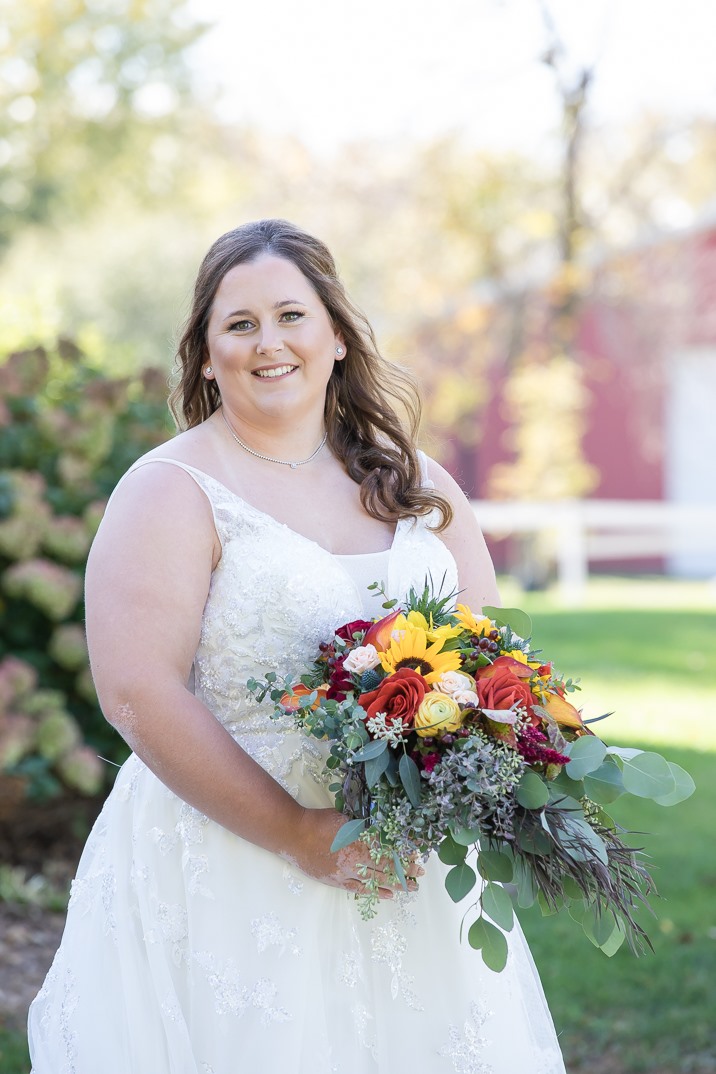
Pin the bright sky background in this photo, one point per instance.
(330, 72)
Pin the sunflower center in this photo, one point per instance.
(423, 667)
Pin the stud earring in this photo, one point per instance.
(339, 350)
(208, 371)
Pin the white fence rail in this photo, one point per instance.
(574, 533)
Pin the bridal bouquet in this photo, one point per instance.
(448, 733)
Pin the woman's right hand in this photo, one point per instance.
(316, 831)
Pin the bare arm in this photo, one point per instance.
(147, 581)
(464, 538)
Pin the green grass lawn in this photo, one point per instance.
(647, 650)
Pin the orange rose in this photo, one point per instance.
(398, 696)
(500, 688)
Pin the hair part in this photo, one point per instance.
(372, 411)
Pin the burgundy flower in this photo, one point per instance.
(339, 681)
(345, 633)
(530, 743)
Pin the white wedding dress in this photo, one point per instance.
(188, 950)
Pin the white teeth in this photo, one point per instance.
(277, 372)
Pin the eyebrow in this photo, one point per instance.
(276, 306)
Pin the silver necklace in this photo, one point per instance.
(267, 458)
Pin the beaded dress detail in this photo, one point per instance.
(188, 950)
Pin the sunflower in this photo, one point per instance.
(410, 648)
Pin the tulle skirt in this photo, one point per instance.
(188, 950)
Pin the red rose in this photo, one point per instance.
(345, 633)
(501, 689)
(399, 697)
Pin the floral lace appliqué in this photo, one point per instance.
(233, 996)
(388, 945)
(269, 932)
(466, 1049)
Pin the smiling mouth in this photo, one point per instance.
(276, 371)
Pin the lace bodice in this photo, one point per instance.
(274, 596)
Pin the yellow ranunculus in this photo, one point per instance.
(438, 714)
(468, 621)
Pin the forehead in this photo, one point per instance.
(265, 281)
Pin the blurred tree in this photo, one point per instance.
(67, 433)
(545, 397)
(87, 91)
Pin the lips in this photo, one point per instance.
(273, 372)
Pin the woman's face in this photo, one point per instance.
(270, 340)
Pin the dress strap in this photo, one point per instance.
(423, 460)
(211, 488)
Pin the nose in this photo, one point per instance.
(269, 341)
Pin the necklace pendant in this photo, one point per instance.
(293, 465)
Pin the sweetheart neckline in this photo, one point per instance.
(272, 518)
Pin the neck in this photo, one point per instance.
(291, 445)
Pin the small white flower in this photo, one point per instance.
(466, 697)
(361, 659)
(455, 682)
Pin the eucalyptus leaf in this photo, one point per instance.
(534, 842)
(460, 881)
(375, 767)
(580, 840)
(585, 755)
(410, 778)
(450, 852)
(547, 910)
(604, 925)
(615, 941)
(400, 871)
(577, 910)
(684, 786)
(487, 938)
(525, 883)
(497, 904)
(624, 752)
(574, 787)
(517, 620)
(532, 791)
(347, 834)
(371, 749)
(605, 784)
(466, 837)
(493, 865)
(560, 800)
(391, 772)
(648, 776)
(571, 888)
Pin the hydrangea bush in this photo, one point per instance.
(68, 431)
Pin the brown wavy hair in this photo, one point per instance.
(365, 393)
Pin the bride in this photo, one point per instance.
(210, 929)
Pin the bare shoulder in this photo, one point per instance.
(464, 538)
(157, 503)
